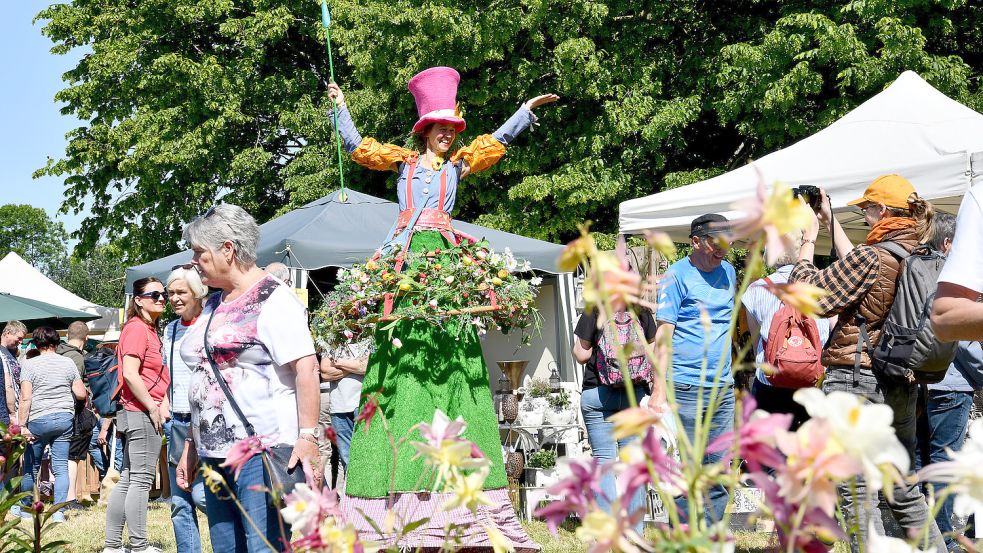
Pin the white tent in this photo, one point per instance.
(910, 129)
(20, 278)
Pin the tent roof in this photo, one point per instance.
(329, 233)
(20, 278)
(909, 128)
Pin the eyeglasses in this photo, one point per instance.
(155, 295)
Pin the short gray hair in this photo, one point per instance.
(193, 279)
(13, 327)
(225, 223)
(278, 270)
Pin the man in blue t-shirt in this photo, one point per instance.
(696, 301)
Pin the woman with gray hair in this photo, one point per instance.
(187, 295)
(254, 335)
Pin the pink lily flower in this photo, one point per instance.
(367, 412)
(241, 452)
(756, 439)
(815, 463)
(577, 490)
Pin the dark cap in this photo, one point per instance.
(710, 224)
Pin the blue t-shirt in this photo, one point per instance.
(684, 290)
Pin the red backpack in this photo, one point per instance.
(794, 349)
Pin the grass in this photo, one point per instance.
(85, 532)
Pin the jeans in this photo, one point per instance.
(597, 404)
(54, 430)
(128, 502)
(186, 533)
(690, 405)
(908, 504)
(228, 527)
(96, 453)
(344, 427)
(942, 426)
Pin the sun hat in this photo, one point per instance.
(890, 190)
(435, 92)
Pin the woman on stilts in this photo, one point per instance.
(430, 367)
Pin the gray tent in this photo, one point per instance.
(329, 233)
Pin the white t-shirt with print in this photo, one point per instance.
(252, 339)
(964, 264)
(175, 331)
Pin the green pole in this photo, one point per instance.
(326, 23)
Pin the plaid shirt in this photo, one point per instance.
(847, 280)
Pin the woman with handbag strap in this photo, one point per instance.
(434, 368)
(187, 294)
(254, 375)
(144, 407)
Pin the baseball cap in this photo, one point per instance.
(707, 225)
(890, 190)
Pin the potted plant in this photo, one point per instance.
(560, 410)
(541, 468)
(535, 402)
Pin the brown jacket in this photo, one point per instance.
(861, 285)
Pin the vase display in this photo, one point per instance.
(515, 461)
(510, 407)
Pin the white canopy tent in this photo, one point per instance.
(20, 278)
(910, 129)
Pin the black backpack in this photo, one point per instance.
(908, 349)
(102, 376)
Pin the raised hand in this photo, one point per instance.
(534, 103)
(335, 93)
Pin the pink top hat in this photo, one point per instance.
(435, 92)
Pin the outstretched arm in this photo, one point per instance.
(485, 150)
(366, 152)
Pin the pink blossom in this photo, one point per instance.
(637, 474)
(815, 463)
(756, 439)
(442, 428)
(241, 452)
(817, 529)
(367, 412)
(577, 491)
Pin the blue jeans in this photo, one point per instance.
(597, 404)
(344, 427)
(186, 533)
(54, 430)
(228, 527)
(941, 426)
(722, 421)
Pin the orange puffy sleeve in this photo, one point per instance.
(380, 157)
(483, 152)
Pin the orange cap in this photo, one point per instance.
(890, 190)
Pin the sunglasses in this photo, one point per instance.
(155, 295)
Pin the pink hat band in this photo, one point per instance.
(435, 92)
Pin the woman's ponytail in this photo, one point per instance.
(922, 212)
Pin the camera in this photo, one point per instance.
(811, 195)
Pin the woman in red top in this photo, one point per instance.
(143, 409)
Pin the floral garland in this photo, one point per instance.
(469, 283)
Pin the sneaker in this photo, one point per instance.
(115, 550)
(18, 511)
(57, 518)
(73, 506)
(149, 549)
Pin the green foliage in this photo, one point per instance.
(560, 400)
(29, 231)
(98, 276)
(539, 387)
(542, 459)
(187, 100)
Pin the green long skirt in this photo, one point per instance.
(436, 368)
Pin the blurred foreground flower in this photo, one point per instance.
(802, 296)
(886, 544)
(756, 438)
(610, 533)
(660, 242)
(815, 463)
(577, 492)
(241, 452)
(499, 543)
(610, 276)
(448, 452)
(633, 421)
(302, 509)
(963, 473)
(442, 429)
(777, 215)
(367, 412)
(468, 490)
(577, 251)
(863, 430)
(814, 533)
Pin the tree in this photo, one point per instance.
(29, 231)
(186, 100)
(99, 276)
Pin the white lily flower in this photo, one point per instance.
(962, 473)
(864, 431)
(886, 544)
(302, 508)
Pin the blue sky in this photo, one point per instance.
(34, 130)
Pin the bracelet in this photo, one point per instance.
(311, 431)
(808, 241)
(308, 438)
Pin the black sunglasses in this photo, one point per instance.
(155, 295)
